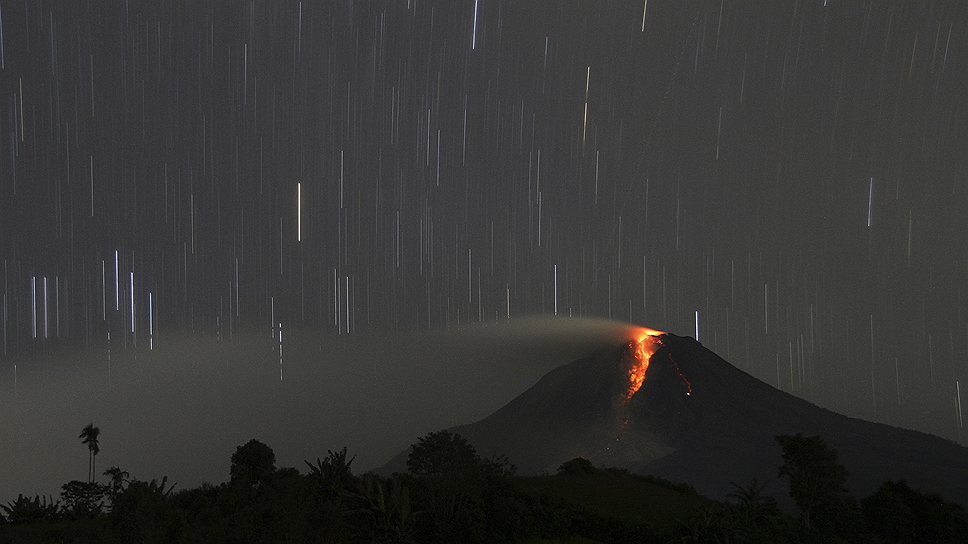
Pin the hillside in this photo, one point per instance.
(700, 420)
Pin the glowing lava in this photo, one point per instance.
(646, 343)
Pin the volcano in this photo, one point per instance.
(665, 405)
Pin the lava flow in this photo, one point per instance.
(646, 343)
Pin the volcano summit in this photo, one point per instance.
(665, 405)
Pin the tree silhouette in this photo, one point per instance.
(142, 511)
(333, 475)
(758, 519)
(89, 437)
(442, 453)
(577, 466)
(252, 463)
(751, 501)
(119, 478)
(386, 510)
(818, 486)
(455, 487)
(898, 513)
(83, 499)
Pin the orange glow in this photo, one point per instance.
(645, 343)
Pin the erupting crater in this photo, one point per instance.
(645, 343)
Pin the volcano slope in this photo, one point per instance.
(697, 419)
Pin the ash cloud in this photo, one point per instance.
(181, 410)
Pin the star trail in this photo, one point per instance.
(789, 175)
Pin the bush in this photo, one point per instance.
(83, 499)
(898, 513)
(27, 510)
(142, 513)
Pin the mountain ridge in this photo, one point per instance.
(700, 420)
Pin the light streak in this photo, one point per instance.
(584, 123)
(131, 298)
(2, 62)
(474, 33)
(33, 306)
(21, 81)
(92, 185)
(117, 296)
(556, 290)
(961, 421)
(151, 323)
(45, 307)
(870, 201)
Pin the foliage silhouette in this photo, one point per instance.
(578, 465)
(387, 514)
(442, 454)
(27, 510)
(140, 512)
(455, 487)
(897, 513)
(818, 486)
(452, 494)
(119, 480)
(89, 437)
(332, 476)
(83, 499)
(252, 463)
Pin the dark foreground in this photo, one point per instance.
(450, 494)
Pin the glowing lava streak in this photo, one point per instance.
(646, 343)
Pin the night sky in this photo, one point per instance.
(786, 179)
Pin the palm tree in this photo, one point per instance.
(89, 436)
(332, 475)
(751, 501)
